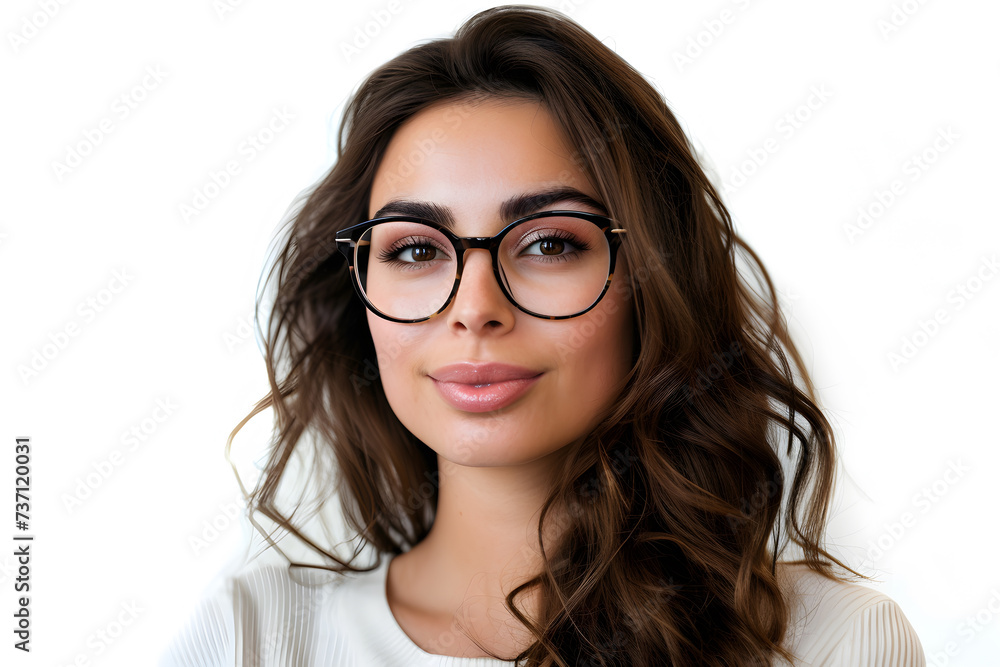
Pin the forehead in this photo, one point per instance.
(471, 156)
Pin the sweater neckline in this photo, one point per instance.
(400, 638)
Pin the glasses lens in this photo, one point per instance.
(406, 269)
(553, 266)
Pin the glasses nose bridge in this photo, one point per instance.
(467, 243)
(473, 242)
(487, 243)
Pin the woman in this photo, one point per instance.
(512, 313)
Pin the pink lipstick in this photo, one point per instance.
(474, 387)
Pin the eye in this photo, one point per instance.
(547, 246)
(412, 250)
(555, 243)
(416, 253)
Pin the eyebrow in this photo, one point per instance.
(511, 209)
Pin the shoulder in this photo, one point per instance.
(834, 623)
(262, 614)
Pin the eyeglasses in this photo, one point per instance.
(552, 264)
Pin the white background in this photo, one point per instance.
(176, 329)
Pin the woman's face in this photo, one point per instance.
(470, 158)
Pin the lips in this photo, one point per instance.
(482, 387)
(470, 373)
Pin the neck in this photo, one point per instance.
(484, 540)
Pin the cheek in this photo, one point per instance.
(597, 351)
(394, 344)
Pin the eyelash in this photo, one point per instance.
(390, 254)
(541, 235)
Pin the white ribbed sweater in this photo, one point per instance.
(263, 618)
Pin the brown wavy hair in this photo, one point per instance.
(710, 463)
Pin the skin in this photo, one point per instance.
(495, 468)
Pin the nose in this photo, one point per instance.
(480, 306)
